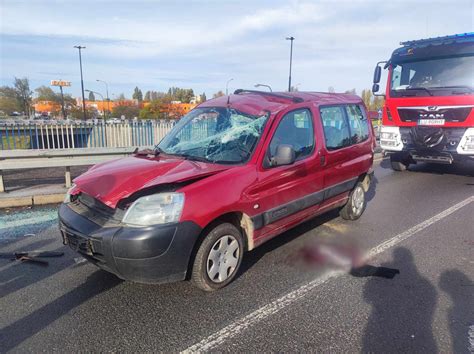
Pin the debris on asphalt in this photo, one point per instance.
(31, 256)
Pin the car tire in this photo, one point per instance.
(398, 165)
(218, 258)
(356, 204)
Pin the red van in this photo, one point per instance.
(233, 173)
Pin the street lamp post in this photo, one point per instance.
(227, 86)
(291, 59)
(82, 82)
(263, 85)
(107, 94)
(97, 93)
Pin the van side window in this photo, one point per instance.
(358, 124)
(336, 130)
(295, 129)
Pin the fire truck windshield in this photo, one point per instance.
(433, 77)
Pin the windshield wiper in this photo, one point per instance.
(194, 158)
(453, 88)
(418, 89)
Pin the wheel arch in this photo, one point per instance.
(239, 219)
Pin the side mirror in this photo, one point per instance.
(284, 155)
(377, 74)
(375, 88)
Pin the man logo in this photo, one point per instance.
(432, 108)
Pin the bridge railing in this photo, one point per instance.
(49, 135)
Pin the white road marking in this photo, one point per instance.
(470, 338)
(275, 306)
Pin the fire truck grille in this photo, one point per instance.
(449, 114)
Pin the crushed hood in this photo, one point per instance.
(112, 181)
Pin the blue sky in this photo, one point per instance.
(201, 44)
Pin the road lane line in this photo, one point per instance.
(275, 306)
(421, 226)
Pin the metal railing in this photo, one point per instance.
(53, 135)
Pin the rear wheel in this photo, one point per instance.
(356, 204)
(218, 258)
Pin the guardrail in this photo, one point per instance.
(76, 134)
(25, 159)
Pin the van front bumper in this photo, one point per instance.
(153, 254)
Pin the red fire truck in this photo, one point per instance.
(428, 114)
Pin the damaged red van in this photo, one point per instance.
(233, 173)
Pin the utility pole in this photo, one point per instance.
(82, 82)
(62, 102)
(291, 59)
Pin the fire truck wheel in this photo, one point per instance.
(398, 165)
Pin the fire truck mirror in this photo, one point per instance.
(377, 74)
(375, 88)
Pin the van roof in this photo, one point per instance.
(256, 102)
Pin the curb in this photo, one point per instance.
(31, 200)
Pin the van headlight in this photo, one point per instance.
(155, 209)
(466, 145)
(67, 198)
(390, 138)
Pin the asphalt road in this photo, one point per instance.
(419, 222)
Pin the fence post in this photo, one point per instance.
(2, 186)
(67, 176)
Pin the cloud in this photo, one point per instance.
(203, 43)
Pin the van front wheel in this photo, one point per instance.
(218, 258)
(356, 204)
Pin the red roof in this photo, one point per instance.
(256, 103)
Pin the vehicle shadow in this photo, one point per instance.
(402, 310)
(251, 258)
(461, 313)
(372, 190)
(19, 331)
(464, 169)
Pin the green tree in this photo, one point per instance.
(76, 112)
(8, 100)
(202, 97)
(91, 96)
(23, 94)
(45, 93)
(137, 94)
(121, 97)
(128, 111)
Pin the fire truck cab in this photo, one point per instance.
(428, 114)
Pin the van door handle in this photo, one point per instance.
(322, 159)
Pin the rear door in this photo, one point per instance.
(283, 193)
(348, 150)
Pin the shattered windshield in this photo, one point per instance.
(218, 135)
